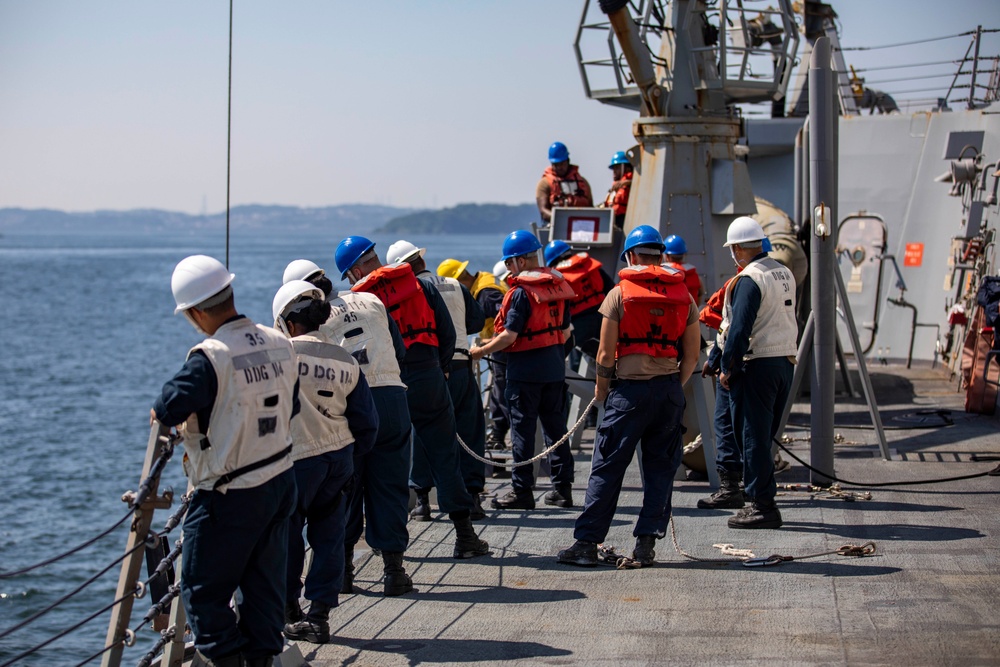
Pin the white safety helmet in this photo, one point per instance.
(301, 269)
(403, 251)
(196, 279)
(289, 299)
(500, 270)
(743, 229)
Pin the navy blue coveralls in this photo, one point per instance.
(321, 481)
(536, 391)
(380, 493)
(431, 411)
(728, 454)
(758, 390)
(637, 413)
(470, 422)
(237, 539)
(491, 300)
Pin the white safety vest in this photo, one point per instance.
(454, 301)
(327, 375)
(775, 330)
(359, 324)
(255, 369)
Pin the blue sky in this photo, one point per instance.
(122, 104)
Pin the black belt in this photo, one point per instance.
(239, 472)
(673, 377)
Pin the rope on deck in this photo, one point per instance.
(546, 452)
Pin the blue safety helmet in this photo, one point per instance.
(558, 152)
(619, 158)
(643, 235)
(765, 245)
(674, 245)
(521, 242)
(350, 251)
(554, 250)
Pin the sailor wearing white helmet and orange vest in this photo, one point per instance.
(758, 342)
(425, 325)
(337, 422)
(532, 327)
(232, 401)
(379, 501)
(466, 317)
(650, 343)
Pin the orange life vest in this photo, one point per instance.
(711, 314)
(583, 273)
(617, 198)
(655, 303)
(400, 292)
(547, 290)
(579, 190)
(691, 278)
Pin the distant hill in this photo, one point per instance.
(464, 219)
(343, 219)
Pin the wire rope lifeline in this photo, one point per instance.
(911, 43)
(8, 575)
(541, 455)
(145, 488)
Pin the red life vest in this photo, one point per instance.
(400, 292)
(655, 303)
(583, 273)
(691, 278)
(547, 290)
(580, 189)
(617, 198)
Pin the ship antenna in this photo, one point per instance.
(229, 125)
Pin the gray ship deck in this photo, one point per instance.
(929, 596)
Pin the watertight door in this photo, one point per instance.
(860, 243)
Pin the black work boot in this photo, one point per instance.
(644, 552)
(478, 513)
(760, 513)
(234, 660)
(728, 497)
(515, 500)
(396, 581)
(467, 543)
(422, 510)
(347, 587)
(259, 661)
(582, 553)
(561, 496)
(496, 441)
(293, 612)
(314, 628)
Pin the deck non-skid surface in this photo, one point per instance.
(931, 595)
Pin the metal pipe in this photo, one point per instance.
(823, 108)
(639, 62)
(975, 66)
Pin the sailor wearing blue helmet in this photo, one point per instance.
(649, 342)
(561, 184)
(532, 326)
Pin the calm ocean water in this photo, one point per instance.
(89, 337)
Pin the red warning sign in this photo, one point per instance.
(914, 254)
